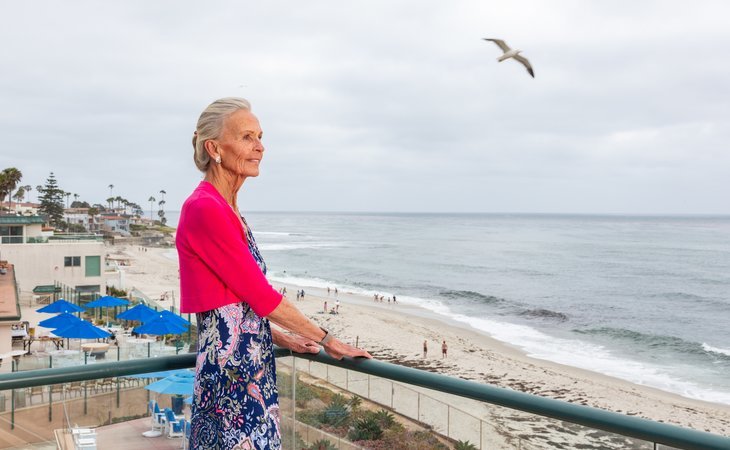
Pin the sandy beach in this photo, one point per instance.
(401, 330)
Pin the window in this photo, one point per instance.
(11, 234)
(71, 261)
(93, 266)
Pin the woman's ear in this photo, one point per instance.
(212, 148)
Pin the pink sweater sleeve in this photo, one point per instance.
(219, 242)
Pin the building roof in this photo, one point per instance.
(9, 302)
(21, 220)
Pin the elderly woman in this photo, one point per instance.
(222, 278)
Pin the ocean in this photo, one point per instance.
(645, 299)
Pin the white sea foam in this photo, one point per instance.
(274, 233)
(709, 348)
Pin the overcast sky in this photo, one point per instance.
(379, 105)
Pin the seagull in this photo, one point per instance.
(515, 54)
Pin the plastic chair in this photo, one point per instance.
(186, 438)
(175, 428)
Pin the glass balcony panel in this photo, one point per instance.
(434, 419)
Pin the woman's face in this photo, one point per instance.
(240, 144)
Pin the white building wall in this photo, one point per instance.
(39, 264)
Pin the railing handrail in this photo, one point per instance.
(635, 427)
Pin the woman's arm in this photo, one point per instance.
(288, 316)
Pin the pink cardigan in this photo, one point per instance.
(216, 266)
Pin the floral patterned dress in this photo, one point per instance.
(235, 405)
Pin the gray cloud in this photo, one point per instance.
(380, 106)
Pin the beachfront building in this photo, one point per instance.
(116, 224)
(23, 208)
(81, 216)
(42, 259)
(9, 306)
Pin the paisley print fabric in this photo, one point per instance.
(235, 401)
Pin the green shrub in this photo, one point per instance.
(322, 444)
(366, 429)
(384, 418)
(337, 412)
(464, 445)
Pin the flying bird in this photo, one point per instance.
(514, 54)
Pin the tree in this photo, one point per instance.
(152, 201)
(161, 212)
(19, 195)
(68, 196)
(52, 201)
(111, 188)
(162, 194)
(9, 179)
(110, 200)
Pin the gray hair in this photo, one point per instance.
(210, 125)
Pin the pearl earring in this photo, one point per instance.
(218, 159)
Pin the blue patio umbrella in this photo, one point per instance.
(60, 306)
(174, 317)
(161, 325)
(82, 329)
(165, 373)
(139, 312)
(62, 320)
(173, 385)
(106, 302)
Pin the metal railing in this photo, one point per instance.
(658, 433)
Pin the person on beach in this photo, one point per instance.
(337, 306)
(222, 281)
(444, 349)
(425, 349)
(325, 306)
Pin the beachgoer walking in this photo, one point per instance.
(394, 300)
(222, 281)
(444, 349)
(328, 290)
(336, 292)
(325, 306)
(425, 349)
(337, 306)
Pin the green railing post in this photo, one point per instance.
(12, 409)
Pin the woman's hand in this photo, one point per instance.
(338, 350)
(300, 344)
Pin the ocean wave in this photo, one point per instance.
(679, 296)
(471, 295)
(541, 313)
(711, 349)
(656, 342)
(296, 246)
(276, 233)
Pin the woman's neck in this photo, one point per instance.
(226, 185)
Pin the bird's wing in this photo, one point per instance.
(525, 63)
(505, 48)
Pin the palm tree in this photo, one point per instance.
(68, 196)
(76, 197)
(111, 188)
(9, 179)
(152, 201)
(163, 194)
(110, 200)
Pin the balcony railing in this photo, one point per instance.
(450, 409)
